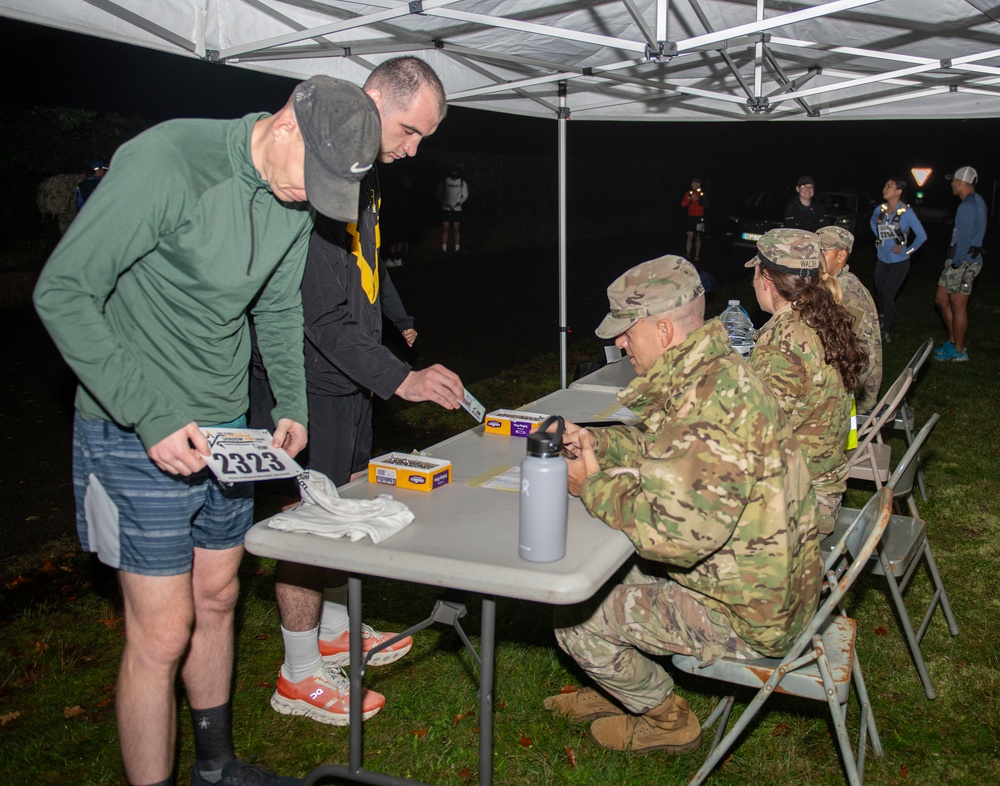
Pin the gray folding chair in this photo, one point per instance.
(872, 458)
(904, 420)
(820, 665)
(901, 552)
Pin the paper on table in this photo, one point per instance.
(501, 478)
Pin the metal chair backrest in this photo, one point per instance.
(860, 539)
(855, 538)
(920, 357)
(884, 411)
(901, 481)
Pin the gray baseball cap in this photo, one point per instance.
(654, 287)
(792, 251)
(342, 132)
(966, 174)
(835, 237)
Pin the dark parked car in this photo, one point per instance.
(934, 211)
(851, 210)
(763, 210)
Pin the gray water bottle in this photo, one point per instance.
(544, 496)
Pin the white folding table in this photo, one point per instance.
(463, 537)
(615, 376)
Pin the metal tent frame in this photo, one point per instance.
(648, 60)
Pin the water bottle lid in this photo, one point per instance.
(547, 444)
(734, 302)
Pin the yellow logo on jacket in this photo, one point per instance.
(369, 273)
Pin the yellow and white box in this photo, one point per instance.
(409, 471)
(512, 423)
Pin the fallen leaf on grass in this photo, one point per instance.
(465, 773)
(570, 756)
(17, 582)
(525, 742)
(460, 717)
(48, 567)
(72, 712)
(7, 717)
(781, 730)
(569, 689)
(105, 702)
(880, 631)
(267, 685)
(262, 636)
(419, 732)
(32, 518)
(903, 772)
(112, 622)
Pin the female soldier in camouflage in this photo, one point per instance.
(808, 355)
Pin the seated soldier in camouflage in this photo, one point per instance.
(836, 243)
(808, 355)
(712, 489)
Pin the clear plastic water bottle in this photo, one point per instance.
(739, 327)
(544, 495)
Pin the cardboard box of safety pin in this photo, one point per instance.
(512, 423)
(409, 471)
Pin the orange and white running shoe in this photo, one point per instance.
(337, 651)
(324, 696)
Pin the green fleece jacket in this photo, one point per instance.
(146, 295)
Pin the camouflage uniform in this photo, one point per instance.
(858, 300)
(711, 484)
(789, 357)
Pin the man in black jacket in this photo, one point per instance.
(344, 292)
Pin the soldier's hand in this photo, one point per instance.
(584, 465)
(409, 336)
(571, 439)
(182, 453)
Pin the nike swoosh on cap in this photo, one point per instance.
(357, 169)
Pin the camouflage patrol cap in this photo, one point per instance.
(835, 237)
(654, 287)
(792, 251)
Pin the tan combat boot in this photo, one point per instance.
(670, 727)
(583, 705)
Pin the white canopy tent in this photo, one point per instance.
(649, 60)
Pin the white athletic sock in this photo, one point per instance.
(334, 619)
(302, 656)
(457, 246)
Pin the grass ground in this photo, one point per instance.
(61, 630)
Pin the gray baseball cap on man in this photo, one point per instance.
(966, 174)
(654, 287)
(835, 237)
(794, 251)
(342, 132)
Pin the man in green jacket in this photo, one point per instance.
(146, 297)
(714, 493)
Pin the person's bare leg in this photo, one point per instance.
(959, 307)
(687, 245)
(159, 615)
(697, 246)
(444, 235)
(943, 303)
(208, 668)
(299, 589)
(458, 234)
